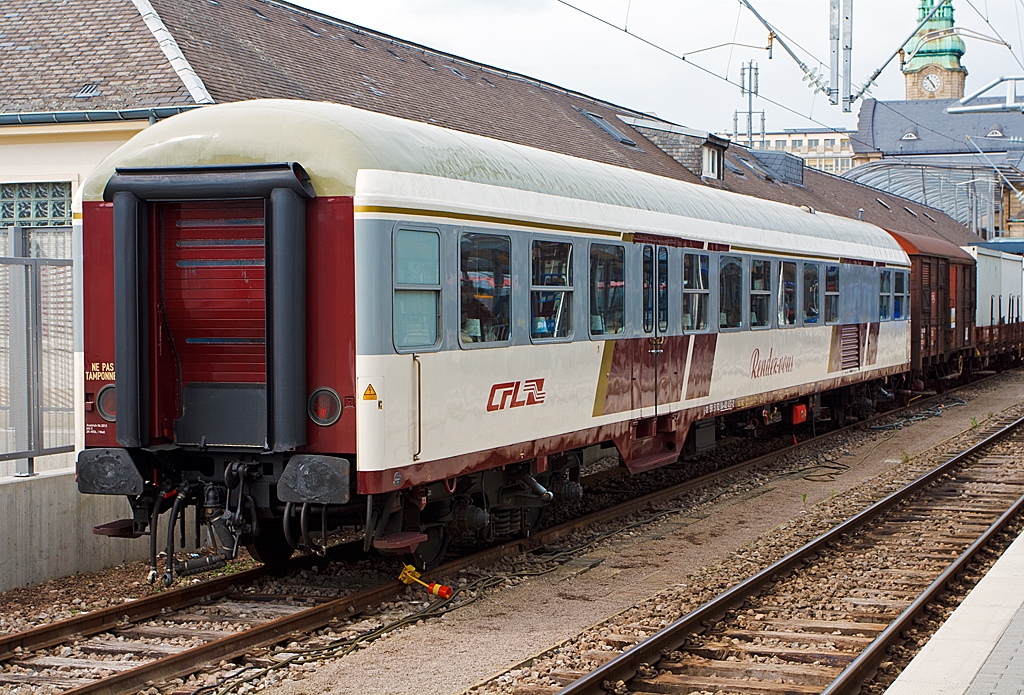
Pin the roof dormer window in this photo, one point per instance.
(909, 135)
(994, 131)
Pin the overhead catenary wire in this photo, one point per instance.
(795, 112)
(996, 32)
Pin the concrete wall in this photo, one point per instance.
(45, 525)
(46, 530)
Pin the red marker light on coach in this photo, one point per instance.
(324, 406)
(106, 403)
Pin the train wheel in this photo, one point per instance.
(270, 547)
(531, 520)
(430, 552)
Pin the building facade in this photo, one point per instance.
(824, 149)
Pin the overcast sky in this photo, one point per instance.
(547, 40)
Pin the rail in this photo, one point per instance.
(675, 635)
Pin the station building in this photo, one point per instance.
(967, 165)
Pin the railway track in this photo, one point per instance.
(821, 619)
(195, 626)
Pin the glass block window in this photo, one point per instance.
(35, 204)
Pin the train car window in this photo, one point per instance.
(898, 302)
(648, 289)
(607, 289)
(730, 292)
(696, 291)
(787, 293)
(811, 293)
(662, 290)
(485, 288)
(884, 295)
(417, 288)
(831, 294)
(760, 293)
(551, 291)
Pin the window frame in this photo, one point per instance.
(743, 325)
(648, 293)
(437, 289)
(904, 296)
(780, 304)
(590, 287)
(463, 233)
(661, 291)
(802, 312)
(751, 293)
(883, 272)
(705, 291)
(568, 290)
(836, 294)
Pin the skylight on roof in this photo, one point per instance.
(929, 217)
(358, 45)
(456, 72)
(260, 14)
(397, 57)
(608, 128)
(427, 64)
(883, 204)
(311, 30)
(87, 91)
(733, 168)
(489, 82)
(910, 211)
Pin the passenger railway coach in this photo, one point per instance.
(302, 315)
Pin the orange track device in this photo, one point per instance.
(409, 575)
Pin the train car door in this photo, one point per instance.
(658, 358)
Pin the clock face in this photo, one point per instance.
(931, 82)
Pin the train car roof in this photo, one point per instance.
(978, 250)
(918, 245)
(335, 142)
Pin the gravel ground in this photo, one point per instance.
(528, 635)
(22, 608)
(654, 564)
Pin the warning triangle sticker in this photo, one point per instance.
(369, 394)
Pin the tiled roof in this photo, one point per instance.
(882, 126)
(840, 196)
(50, 50)
(245, 49)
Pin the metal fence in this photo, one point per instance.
(37, 374)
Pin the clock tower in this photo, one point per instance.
(934, 71)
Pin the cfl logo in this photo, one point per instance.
(515, 394)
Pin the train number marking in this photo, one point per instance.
(720, 407)
(516, 394)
